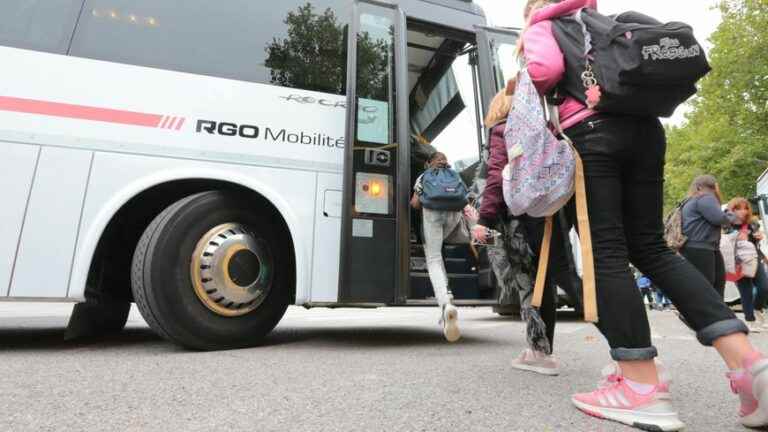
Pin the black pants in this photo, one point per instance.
(750, 301)
(624, 168)
(559, 271)
(709, 263)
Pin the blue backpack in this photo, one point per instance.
(443, 189)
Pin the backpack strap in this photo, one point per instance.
(541, 272)
(585, 237)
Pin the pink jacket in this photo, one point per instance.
(546, 63)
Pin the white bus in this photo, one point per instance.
(216, 161)
(762, 204)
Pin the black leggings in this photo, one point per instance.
(709, 263)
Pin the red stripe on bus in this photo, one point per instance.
(58, 109)
(181, 123)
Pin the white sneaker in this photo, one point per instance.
(761, 321)
(754, 327)
(450, 322)
(534, 361)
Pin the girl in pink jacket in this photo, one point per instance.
(623, 159)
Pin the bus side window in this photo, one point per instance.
(258, 41)
(41, 25)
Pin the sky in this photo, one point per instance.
(700, 14)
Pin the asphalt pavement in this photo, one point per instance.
(330, 370)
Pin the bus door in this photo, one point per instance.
(498, 60)
(374, 237)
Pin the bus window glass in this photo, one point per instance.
(443, 101)
(459, 137)
(375, 57)
(41, 25)
(294, 43)
(505, 61)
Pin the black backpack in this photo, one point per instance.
(642, 67)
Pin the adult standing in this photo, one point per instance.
(703, 221)
(752, 289)
(623, 158)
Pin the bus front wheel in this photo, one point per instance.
(212, 272)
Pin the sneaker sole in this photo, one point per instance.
(536, 369)
(643, 421)
(451, 329)
(759, 418)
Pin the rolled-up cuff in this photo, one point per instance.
(634, 354)
(712, 332)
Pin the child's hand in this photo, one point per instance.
(480, 234)
(471, 214)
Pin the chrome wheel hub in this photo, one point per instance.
(231, 270)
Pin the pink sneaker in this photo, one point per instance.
(618, 402)
(751, 385)
(611, 374)
(534, 361)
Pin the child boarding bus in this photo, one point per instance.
(215, 162)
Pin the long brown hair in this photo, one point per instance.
(703, 184)
(738, 203)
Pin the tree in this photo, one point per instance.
(726, 132)
(314, 53)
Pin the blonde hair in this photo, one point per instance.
(500, 105)
(532, 5)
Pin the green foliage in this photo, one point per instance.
(726, 132)
(313, 56)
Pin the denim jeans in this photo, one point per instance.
(440, 226)
(661, 298)
(624, 169)
(750, 302)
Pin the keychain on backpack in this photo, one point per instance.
(593, 89)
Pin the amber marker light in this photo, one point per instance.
(375, 189)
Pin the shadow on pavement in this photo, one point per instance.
(368, 337)
(50, 339)
(563, 315)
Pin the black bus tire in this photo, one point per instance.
(162, 281)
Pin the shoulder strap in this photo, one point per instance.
(585, 236)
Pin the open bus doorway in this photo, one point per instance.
(445, 116)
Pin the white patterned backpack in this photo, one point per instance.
(538, 180)
(542, 175)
